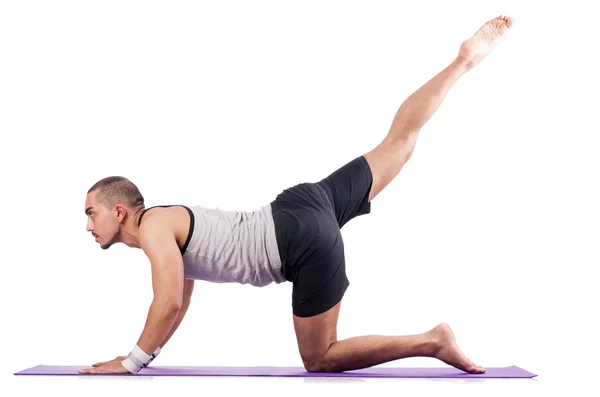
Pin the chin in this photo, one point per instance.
(105, 246)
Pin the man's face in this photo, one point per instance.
(101, 221)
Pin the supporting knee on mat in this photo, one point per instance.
(320, 363)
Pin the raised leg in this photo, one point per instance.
(317, 336)
(387, 159)
(322, 352)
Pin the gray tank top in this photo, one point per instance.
(231, 246)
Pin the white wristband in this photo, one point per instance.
(153, 356)
(138, 359)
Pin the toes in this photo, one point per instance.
(504, 19)
(507, 20)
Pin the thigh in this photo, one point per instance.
(348, 190)
(319, 278)
(316, 297)
(386, 161)
(315, 334)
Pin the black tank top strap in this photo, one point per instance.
(192, 222)
(144, 211)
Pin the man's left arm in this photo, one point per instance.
(158, 242)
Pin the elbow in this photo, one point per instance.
(170, 306)
(174, 306)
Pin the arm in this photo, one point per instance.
(158, 242)
(188, 288)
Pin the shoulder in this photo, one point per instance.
(168, 220)
(157, 232)
(156, 218)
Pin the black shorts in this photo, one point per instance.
(308, 218)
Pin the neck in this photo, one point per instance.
(136, 217)
(130, 232)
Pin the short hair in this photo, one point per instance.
(113, 190)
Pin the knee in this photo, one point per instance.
(318, 365)
(396, 151)
(313, 361)
(406, 150)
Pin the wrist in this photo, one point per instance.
(138, 359)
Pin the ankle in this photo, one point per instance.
(462, 63)
(432, 345)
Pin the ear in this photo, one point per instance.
(121, 212)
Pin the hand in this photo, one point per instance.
(120, 358)
(110, 367)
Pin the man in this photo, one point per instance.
(295, 238)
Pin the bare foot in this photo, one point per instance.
(473, 50)
(447, 350)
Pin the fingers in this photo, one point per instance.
(97, 370)
(102, 363)
(111, 368)
(118, 358)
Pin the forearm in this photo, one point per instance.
(160, 321)
(178, 320)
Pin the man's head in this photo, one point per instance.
(110, 206)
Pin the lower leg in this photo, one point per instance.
(419, 107)
(366, 351)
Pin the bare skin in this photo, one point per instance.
(317, 336)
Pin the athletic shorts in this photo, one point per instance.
(308, 218)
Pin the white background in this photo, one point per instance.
(493, 225)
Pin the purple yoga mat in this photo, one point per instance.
(372, 372)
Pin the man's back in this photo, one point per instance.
(226, 246)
